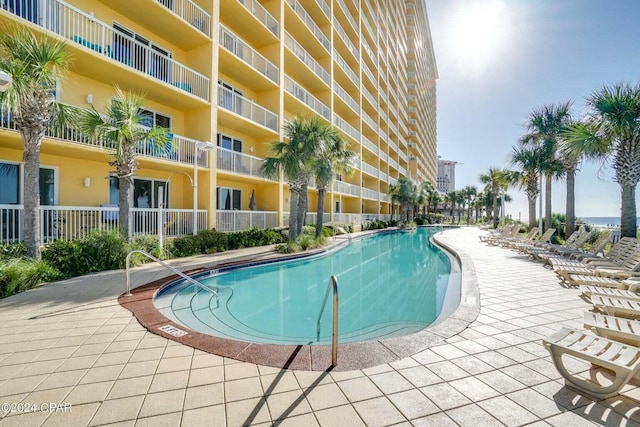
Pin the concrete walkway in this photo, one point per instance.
(71, 344)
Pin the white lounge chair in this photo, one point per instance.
(631, 283)
(617, 255)
(593, 252)
(622, 359)
(624, 307)
(614, 328)
(543, 240)
(588, 290)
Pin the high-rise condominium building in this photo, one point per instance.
(228, 72)
(446, 180)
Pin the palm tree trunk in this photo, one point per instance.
(31, 199)
(293, 215)
(320, 211)
(495, 207)
(547, 203)
(303, 203)
(571, 203)
(124, 201)
(532, 211)
(628, 226)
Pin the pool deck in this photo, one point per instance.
(72, 343)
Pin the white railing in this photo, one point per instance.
(368, 27)
(244, 220)
(368, 120)
(346, 97)
(392, 180)
(392, 144)
(369, 194)
(76, 222)
(347, 13)
(309, 219)
(346, 188)
(346, 39)
(384, 177)
(383, 136)
(310, 23)
(247, 54)
(346, 127)
(403, 171)
(325, 7)
(371, 170)
(190, 12)
(384, 197)
(369, 97)
(393, 129)
(349, 219)
(374, 217)
(367, 48)
(178, 148)
(393, 163)
(345, 67)
(402, 155)
(369, 74)
(314, 103)
(261, 14)
(240, 163)
(305, 57)
(229, 100)
(370, 145)
(384, 116)
(82, 28)
(384, 156)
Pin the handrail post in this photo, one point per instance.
(334, 338)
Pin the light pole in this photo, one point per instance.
(199, 146)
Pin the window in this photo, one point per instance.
(230, 97)
(230, 143)
(10, 188)
(143, 196)
(153, 118)
(228, 199)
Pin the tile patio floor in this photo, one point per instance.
(70, 342)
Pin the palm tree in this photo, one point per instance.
(124, 128)
(451, 198)
(469, 192)
(529, 161)
(496, 180)
(35, 62)
(570, 160)
(610, 132)
(403, 192)
(544, 126)
(331, 157)
(294, 159)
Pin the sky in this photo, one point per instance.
(498, 60)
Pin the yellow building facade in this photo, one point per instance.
(230, 72)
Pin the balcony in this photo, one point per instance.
(346, 188)
(368, 193)
(179, 149)
(345, 40)
(239, 163)
(190, 24)
(347, 14)
(249, 56)
(309, 23)
(306, 98)
(97, 38)
(346, 127)
(296, 49)
(248, 110)
(346, 97)
(251, 20)
(347, 70)
(371, 170)
(369, 121)
(370, 145)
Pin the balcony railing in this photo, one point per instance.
(369, 74)
(325, 7)
(369, 194)
(244, 220)
(347, 13)
(403, 171)
(76, 222)
(190, 12)
(247, 54)
(349, 219)
(309, 219)
(82, 28)
(297, 91)
(261, 15)
(346, 39)
(310, 23)
(345, 67)
(238, 104)
(370, 145)
(371, 170)
(384, 177)
(346, 97)
(240, 163)
(305, 57)
(346, 188)
(346, 127)
(393, 163)
(178, 148)
(368, 120)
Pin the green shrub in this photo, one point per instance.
(9, 251)
(66, 257)
(186, 246)
(212, 241)
(18, 275)
(150, 244)
(104, 250)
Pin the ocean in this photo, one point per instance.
(604, 221)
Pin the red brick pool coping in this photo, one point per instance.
(309, 357)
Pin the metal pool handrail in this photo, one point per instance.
(178, 272)
(333, 284)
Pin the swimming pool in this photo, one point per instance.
(391, 284)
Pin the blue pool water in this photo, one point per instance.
(390, 284)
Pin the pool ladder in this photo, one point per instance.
(167, 266)
(333, 284)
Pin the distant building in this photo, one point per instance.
(446, 180)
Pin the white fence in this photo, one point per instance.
(244, 220)
(76, 222)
